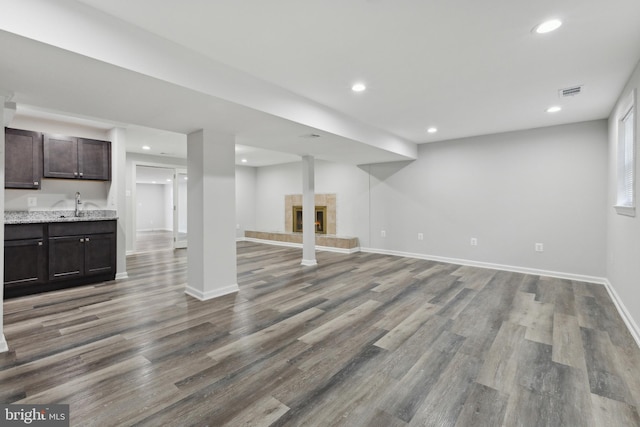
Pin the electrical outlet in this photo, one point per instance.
(420, 236)
(474, 241)
(383, 233)
(32, 202)
(539, 247)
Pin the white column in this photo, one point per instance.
(3, 342)
(308, 212)
(117, 199)
(211, 215)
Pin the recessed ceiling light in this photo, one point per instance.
(153, 182)
(358, 87)
(146, 147)
(432, 129)
(168, 180)
(547, 26)
(554, 109)
(244, 160)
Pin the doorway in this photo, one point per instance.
(160, 207)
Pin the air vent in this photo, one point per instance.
(570, 91)
(310, 136)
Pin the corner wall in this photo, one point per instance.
(623, 232)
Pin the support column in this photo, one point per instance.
(211, 215)
(308, 212)
(3, 342)
(117, 196)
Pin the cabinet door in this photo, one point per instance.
(60, 156)
(23, 159)
(66, 257)
(24, 262)
(100, 254)
(94, 159)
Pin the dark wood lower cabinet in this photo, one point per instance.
(25, 256)
(66, 258)
(42, 257)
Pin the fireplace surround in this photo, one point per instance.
(325, 213)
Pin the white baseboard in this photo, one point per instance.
(299, 245)
(121, 276)
(515, 269)
(204, 296)
(4, 347)
(632, 326)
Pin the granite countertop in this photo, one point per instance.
(35, 217)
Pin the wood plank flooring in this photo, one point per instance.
(360, 340)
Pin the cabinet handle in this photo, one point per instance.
(86, 240)
(80, 173)
(75, 174)
(35, 183)
(40, 243)
(81, 240)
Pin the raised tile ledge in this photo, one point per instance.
(326, 240)
(34, 217)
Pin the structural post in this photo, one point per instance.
(117, 199)
(308, 212)
(211, 215)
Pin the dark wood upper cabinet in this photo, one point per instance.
(76, 158)
(60, 156)
(94, 159)
(23, 159)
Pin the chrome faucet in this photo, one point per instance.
(78, 203)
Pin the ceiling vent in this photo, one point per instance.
(310, 135)
(570, 91)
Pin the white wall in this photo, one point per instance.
(623, 232)
(59, 194)
(151, 207)
(508, 190)
(245, 199)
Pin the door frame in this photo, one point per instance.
(134, 199)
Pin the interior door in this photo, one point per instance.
(180, 209)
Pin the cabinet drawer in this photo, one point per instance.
(23, 231)
(81, 228)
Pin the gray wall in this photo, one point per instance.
(245, 199)
(349, 183)
(508, 190)
(623, 232)
(151, 207)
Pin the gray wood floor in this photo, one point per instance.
(154, 241)
(360, 340)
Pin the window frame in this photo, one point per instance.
(626, 160)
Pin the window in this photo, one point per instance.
(627, 158)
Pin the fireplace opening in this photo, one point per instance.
(320, 219)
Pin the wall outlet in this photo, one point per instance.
(383, 233)
(474, 241)
(32, 202)
(420, 236)
(539, 247)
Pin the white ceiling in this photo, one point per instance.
(467, 67)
